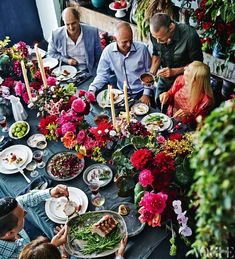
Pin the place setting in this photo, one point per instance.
(64, 72)
(60, 209)
(14, 159)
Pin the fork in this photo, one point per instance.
(22, 172)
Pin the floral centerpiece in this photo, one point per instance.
(10, 58)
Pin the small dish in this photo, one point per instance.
(98, 171)
(134, 226)
(35, 139)
(19, 129)
(147, 79)
(140, 108)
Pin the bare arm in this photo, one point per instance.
(155, 64)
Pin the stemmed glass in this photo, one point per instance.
(97, 199)
(3, 123)
(31, 167)
(37, 155)
(42, 145)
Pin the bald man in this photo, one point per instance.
(76, 44)
(127, 60)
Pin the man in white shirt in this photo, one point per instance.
(76, 44)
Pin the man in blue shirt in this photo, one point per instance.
(12, 212)
(127, 60)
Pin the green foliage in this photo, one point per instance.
(213, 191)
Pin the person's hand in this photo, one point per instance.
(61, 237)
(122, 247)
(164, 97)
(72, 62)
(181, 113)
(145, 99)
(166, 72)
(59, 191)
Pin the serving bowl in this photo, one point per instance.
(19, 129)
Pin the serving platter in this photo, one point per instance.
(157, 121)
(140, 108)
(134, 226)
(88, 245)
(64, 166)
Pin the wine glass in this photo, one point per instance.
(3, 123)
(37, 155)
(42, 145)
(97, 199)
(31, 167)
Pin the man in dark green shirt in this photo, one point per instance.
(175, 45)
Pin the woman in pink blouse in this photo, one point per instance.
(191, 94)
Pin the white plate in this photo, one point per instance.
(50, 62)
(29, 155)
(150, 126)
(94, 171)
(34, 139)
(140, 108)
(103, 97)
(56, 213)
(7, 153)
(58, 72)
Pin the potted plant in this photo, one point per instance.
(216, 21)
(213, 191)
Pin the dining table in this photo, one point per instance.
(151, 243)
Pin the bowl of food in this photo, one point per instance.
(147, 79)
(19, 129)
(64, 166)
(140, 108)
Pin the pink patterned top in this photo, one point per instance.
(179, 98)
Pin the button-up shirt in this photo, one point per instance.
(12, 249)
(127, 67)
(185, 47)
(77, 50)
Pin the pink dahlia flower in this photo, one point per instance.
(146, 178)
(78, 105)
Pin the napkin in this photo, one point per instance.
(40, 183)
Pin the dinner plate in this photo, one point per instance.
(61, 171)
(151, 121)
(140, 108)
(98, 171)
(134, 226)
(73, 245)
(103, 97)
(50, 62)
(64, 73)
(34, 139)
(55, 212)
(29, 158)
(6, 154)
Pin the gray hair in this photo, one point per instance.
(122, 25)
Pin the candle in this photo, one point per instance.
(26, 81)
(40, 64)
(111, 95)
(126, 102)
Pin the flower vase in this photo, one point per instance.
(217, 51)
(184, 15)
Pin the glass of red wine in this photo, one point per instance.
(37, 156)
(3, 123)
(97, 199)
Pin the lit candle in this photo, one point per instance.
(111, 95)
(126, 102)
(26, 81)
(40, 64)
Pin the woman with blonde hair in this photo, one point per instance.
(191, 94)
